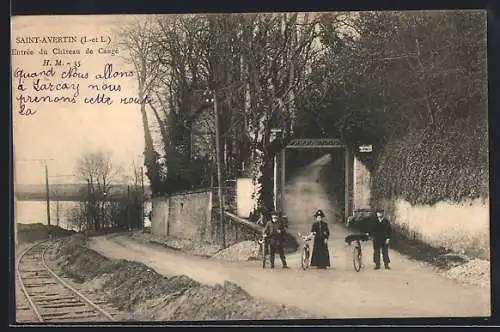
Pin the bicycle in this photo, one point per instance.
(263, 246)
(305, 260)
(357, 253)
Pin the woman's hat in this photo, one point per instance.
(319, 213)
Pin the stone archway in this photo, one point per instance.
(315, 143)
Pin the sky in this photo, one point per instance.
(63, 132)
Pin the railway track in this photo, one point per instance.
(52, 299)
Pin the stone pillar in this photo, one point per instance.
(361, 186)
(283, 179)
(279, 182)
(348, 208)
(244, 202)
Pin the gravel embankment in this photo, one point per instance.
(474, 272)
(193, 247)
(149, 296)
(456, 266)
(242, 251)
(29, 233)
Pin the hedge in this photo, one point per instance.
(429, 165)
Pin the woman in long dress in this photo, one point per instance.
(320, 255)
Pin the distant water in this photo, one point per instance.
(32, 212)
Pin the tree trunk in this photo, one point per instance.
(148, 139)
(266, 193)
(161, 124)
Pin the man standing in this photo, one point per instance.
(275, 231)
(381, 234)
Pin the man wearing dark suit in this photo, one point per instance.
(275, 230)
(381, 235)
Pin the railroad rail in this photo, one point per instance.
(51, 298)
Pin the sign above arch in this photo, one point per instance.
(301, 143)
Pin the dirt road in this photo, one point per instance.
(410, 289)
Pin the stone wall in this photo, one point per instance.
(195, 215)
(460, 227)
(159, 216)
(184, 215)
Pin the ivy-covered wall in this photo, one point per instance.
(434, 186)
(430, 166)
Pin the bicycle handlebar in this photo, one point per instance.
(307, 237)
(262, 239)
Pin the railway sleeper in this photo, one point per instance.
(63, 305)
(37, 278)
(45, 295)
(79, 319)
(41, 284)
(33, 271)
(55, 300)
(28, 274)
(83, 317)
(59, 300)
(23, 308)
(63, 313)
(34, 253)
(28, 259)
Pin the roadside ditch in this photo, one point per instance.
(145, 295)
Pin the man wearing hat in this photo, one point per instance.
(320, 255)
(381, 235)
(275, 231)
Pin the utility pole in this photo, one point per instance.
(143, 198)
(57, 212)
(47, 193)
(213, 99)
(16, 239)
(89, 211)
(57, 201)
(128, 208)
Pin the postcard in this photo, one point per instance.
(250, 167)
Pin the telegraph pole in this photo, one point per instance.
(57, 212)
(128, 208)
(47, 193)
(143, 197)
(89, 208)
(219, 170)
(47, 189)
(213, 99)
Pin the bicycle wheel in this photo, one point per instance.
(356, 259)
(305, 259)
(263, 255)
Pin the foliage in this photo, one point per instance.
(429, 166)
(409, 83)
(412, 84)
(255, 63)
(104, 206)
(97, 170)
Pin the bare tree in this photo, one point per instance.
(77, 217)
(139, 38)
(278, 52)
(257, 65)
(98, 171)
